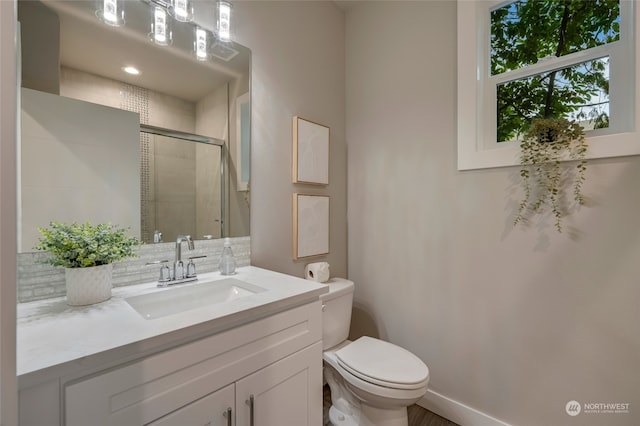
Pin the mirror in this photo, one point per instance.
(186, 186)
(68, 52)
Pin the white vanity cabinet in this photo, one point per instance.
(276, 395)
(262, 373)
(282, 394)
(215, 409)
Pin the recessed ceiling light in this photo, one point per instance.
(131, 70)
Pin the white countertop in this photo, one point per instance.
(51, 334)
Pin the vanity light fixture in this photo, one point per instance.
(131, 70)
(163, 12)
(181, 10)
(111, 12)
(201, 44)
(160, 26)
(224, 21)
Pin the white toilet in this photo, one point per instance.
(372, 382)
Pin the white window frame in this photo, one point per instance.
(477, 147)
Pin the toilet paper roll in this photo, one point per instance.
(318, 271)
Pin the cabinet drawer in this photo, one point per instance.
(146, 390)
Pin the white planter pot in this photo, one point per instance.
(86, 286)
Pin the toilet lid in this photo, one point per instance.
(383, 363)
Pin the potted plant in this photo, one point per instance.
(87, 253)
(546, 143)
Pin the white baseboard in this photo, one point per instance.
(456, 411)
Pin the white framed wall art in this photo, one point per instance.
(310, 225)
(310, 152)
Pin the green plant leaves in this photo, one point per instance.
(541, 152)
(84, 245)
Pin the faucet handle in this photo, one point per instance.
(191, 267)
(156, 262)
(178, 270)
(165, 272)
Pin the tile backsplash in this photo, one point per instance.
(37, 280)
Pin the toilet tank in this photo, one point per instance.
(336, 312)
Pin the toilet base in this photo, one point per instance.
(383, 417)
(369, 416)
(338, 418)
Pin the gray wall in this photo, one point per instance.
(9, 75)
(297, 69)
(40, 32)
(511, 322)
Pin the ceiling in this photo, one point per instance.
(89, 45)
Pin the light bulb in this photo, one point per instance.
(160, 27)
(201, 44)
(224, 21)
(110, 12)
(182, 10)
(131, 70)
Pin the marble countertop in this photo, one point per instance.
(52, 335)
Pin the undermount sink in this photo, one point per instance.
(180, 299)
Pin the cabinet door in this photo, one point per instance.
(40, 404)
(215, 409)
(287, 392)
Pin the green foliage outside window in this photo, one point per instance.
(527, 31)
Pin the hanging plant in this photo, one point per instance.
(546, 143)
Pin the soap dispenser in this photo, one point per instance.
(227, 264)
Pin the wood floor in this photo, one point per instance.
(418, 416)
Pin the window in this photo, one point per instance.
(523, 59)
(579, 92)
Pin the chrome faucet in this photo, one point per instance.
(178, 265)
(179, 274)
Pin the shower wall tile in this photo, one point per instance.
(88, 87)
(212, 114)
(171, 113)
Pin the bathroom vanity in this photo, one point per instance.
(253, 356)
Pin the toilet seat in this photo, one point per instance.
(383, 364)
